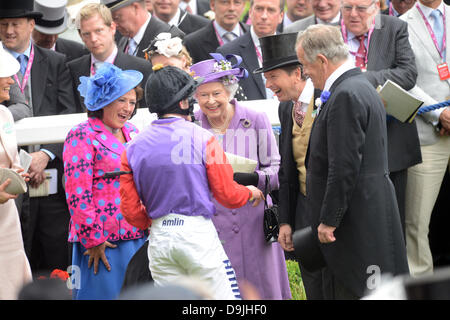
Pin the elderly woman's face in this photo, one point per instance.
(5, 84)
(213, 99)
(120, 110)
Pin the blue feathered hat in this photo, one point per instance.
(108, 84)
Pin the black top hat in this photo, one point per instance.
(18, 9)
(278, 51)
(307, 250)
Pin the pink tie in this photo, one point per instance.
(299, 115)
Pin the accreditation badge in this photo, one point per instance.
(443, 72)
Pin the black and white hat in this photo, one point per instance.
(54, 16)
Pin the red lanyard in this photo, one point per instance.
(219, 38)
(27, 72)
(344, 34)
(433, 36)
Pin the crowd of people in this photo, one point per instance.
(130, 207)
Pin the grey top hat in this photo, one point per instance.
(54, 16)
(117, 4)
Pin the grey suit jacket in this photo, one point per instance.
(390, 57)
(429, 87)
(253, 87)
(17, 104)
(300, 25)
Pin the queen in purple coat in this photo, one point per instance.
(246, 133)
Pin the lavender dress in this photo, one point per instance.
(241, 230)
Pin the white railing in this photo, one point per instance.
(54, 129)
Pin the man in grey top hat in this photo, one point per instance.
(138, 26)
(54, 22)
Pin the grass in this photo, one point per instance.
(295, 280)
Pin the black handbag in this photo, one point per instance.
(271, 225)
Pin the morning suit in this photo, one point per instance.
(46, 218)
(253, 86)
(82, 67)
(189, 23)
(154, 27)
(292, 178)
(71, 49)
(348, 187)
(424, 180)
(204, 41)
(390, 57)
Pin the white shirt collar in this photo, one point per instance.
(335, 20)
(176, 18)
(307, 93)
(427, 10)
(110, 59)
(255, 37)
(140, 34)
(236, 30)
(347, 65)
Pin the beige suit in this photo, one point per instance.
(14, 267)
(424, 180)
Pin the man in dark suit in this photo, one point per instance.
(91, 18)
(225, 28)
(284, 76)
(351, 200)
(389, 56)
(53, 22)
(265, 16)
(137, 26)
(46, 84)
(169, 12)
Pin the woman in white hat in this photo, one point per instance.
(14, 267)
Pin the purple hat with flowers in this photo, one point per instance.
(108, 84)
(220, 69)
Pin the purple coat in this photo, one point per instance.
(241, 230)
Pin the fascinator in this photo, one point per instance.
(220, 69)
(165, 44)
(108, 84)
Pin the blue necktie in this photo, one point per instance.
(23, 63)
(132, 47)
(438, 27)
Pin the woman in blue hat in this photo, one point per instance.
(103, 242)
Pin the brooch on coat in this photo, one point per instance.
(246, 123)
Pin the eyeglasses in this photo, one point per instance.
(360, 9)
